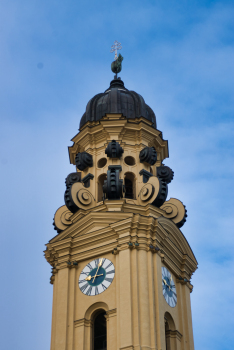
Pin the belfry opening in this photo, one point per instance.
(99, 331)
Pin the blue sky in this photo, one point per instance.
(54, 57)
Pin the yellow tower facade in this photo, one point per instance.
(121, 267)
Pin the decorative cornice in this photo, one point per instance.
(102, 232)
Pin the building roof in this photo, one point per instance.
(117, 99)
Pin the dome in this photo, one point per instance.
(117, 99)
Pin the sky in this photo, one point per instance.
(54, 57)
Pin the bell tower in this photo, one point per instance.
(121, 266)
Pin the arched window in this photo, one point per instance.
(129, 182)
(99, 331)
(172, 336)
(100, 186)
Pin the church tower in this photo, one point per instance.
(121, 266)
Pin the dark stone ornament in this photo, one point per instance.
(86, 180)
(72, 178)
(114, 150)
(83, 160)
(146, 175)
(69, 201)
(56, 228)
(181, 223)
(113, 186)
(148, 155)
(162, 194)
(165, 173)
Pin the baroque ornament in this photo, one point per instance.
(83, 160)
(175, 210)
(113, 186)
(62, 219)
(148, 155)
(114, 150)
(165, 173)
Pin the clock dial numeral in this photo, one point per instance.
(100, 277)
(84, 273)
(88, 292)
(104, 287)
(84, 287)
(89, 266)
(108, 265)
(82, 281)
(108, 279)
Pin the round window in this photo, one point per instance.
(129, 160)
(102, 162)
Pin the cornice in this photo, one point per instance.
(119, 128)
(122, 231)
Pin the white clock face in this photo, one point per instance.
(96, 277)
(169, 289)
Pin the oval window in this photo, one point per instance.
(129, 160)
(102, 162)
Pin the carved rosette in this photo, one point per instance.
(114, 150)
(62, 219)
(83, 160)
(175, 210)
(165, 173)
(148, 155)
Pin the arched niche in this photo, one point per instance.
(130, 185)
(101, 180)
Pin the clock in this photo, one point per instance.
(169, 289)
(96, 277)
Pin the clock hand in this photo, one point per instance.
(165, 282)
(89, 277)
(99, 265)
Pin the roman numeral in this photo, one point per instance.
(84, 287)
(96, 262)
(112, 271)
(96, 290)
(81, 281)
(108, 265)
(85, 273)
(104, 287)
(109, 279)
(89, 266)
(89, 290)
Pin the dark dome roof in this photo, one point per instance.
(117, 99)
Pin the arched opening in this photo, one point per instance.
(99, 331)
(129, 183)
(170, 330)
(100, 186)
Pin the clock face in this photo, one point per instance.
(169, 289)
(96, 277)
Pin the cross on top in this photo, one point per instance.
(114, 48)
